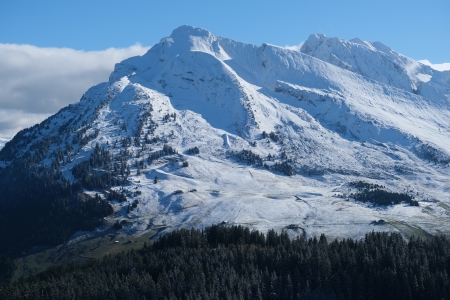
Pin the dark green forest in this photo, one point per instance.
(43, 212)
(375, 194)
(38, 206)
(222, 262)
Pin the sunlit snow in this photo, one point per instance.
(343, 112)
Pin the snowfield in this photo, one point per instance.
(340, 111)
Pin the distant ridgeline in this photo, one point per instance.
(223, 262)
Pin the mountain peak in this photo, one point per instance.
(362, 43)
(188, 38)
(203, 129)
(313, 41)
(322, 42)
(378, 62)
(187, 31)
(182, 40)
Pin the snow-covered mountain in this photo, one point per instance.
(379, 62)
(203, 129)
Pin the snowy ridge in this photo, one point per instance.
(339, 111)
(379, 62)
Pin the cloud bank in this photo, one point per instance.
(439, 67)
(295, 47)
(37, 82)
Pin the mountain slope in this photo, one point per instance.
(203, 129)
(379, 62)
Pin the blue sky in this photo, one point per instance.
(418, 29)
(51, 51)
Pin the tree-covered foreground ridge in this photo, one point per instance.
(234, 262)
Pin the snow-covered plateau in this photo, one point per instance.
(280, 136)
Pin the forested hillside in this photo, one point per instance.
(39, 207)
(236, 263)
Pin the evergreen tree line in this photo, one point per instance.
(166, 150)
(168, 116)
(271, 135)
(152, 140)
(142, 121)
(40, 207)
(236, 263)
(152, 127)
(106, 174)
(256, 160)
(362, 185)
(115, 195)
(82, 138)
(432, 154)
(80, 133)
(284, 167)
(249, 157)
(374, 193)
(380, 197)
(22, 139)
(102, 171)
(47, 212)
(193, 151)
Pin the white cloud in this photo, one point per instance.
(438, 67)
(295, 47)
(3, 141)
(36, 82)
